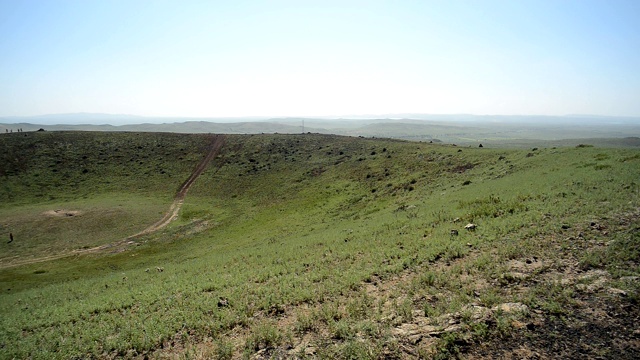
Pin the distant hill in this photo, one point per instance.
(489, 130)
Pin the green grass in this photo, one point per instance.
(59, 227)
(287, 220)
(67, 191)
(61, 166)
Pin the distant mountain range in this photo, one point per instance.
(497, 130)
(111, 119)
(124, 119)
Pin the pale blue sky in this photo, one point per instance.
(305, 58)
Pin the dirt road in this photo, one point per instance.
(172, 214)
(217, 141)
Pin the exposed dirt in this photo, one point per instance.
(598, 327)
(600, 322)
(62, 213)
(217, 141)
(214, 148)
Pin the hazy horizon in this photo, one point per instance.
(129, 119)
(319, 59)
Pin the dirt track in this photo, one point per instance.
(214, 148)
(217, 141)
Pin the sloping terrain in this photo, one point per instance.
(13, 260)
(322, 246)
(67, 192)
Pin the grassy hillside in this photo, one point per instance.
(316, 246)
(68, 190)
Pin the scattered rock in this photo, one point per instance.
(478, 313)
(470, 226)
(614, 291)
(406, 330)
(592, 274)
(452, 328)
(223, 302)
(62, 213)
(414, 339)
(276, 310)
(514, 276)
(598, 279)
(518, 324)
(511, 307)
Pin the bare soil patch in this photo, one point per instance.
(62, 213)
(599, 327)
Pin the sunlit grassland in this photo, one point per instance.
(39, 167)
(284, 220)
(60, 227)
(67, 191)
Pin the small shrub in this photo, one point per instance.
(340, 330)
(405, 310)
(360, 307)
(264, 335)
(602, 166)
(305, 322)
(490, 298)
(330, 312)
(355, 349)
(592, 259)
(224, 350)
(428, 279)
(429, 310)
(480, 329)
(447, 347)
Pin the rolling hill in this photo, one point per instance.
(315, 246)
(465, 130)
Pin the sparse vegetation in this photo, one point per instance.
(283, 248)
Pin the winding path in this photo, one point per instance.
(213, 150)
